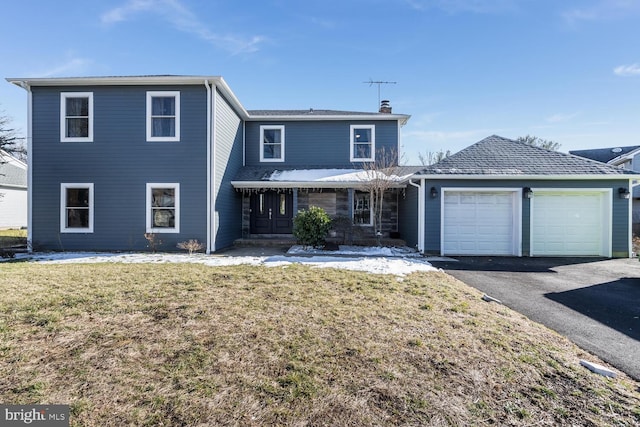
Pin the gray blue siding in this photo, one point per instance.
(620, 208)
(407, 216)
(227, 160)
(119, 162)
(318, 143)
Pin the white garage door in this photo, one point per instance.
(479, 223)
(570, 223)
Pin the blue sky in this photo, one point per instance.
(465, 69)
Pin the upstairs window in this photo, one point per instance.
(76, 208)
(163, 116)
(163, 208)
(272, 143)
(76, 117)
(363, 143)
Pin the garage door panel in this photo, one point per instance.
(478, 223)
(569, 223)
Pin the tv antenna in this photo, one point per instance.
(379, 83)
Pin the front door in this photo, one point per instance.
(271, 213)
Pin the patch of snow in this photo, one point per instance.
(398, 267)
(357, 250)
(372, 260)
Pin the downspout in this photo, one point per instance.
(26, 87)
(421, 214)
(209, 177)
(212, 206)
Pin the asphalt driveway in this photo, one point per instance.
(593, 302)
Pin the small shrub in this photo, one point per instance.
(310, 227)
(191, 245)
(153, 241)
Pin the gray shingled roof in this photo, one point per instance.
(11, 174)
(496, 155)
(604, 155)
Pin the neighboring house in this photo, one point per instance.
(13, 192)
(624, 157)
(113, 158)
(503, 197)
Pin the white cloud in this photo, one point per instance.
(73, 66)
(183, 19)
(561, 117)
(627, 70)
(462, 6)
(603, 10)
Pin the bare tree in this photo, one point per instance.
(432, 157)
(381, 175)
(539, 142)
(9, 141)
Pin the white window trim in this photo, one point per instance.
(152, 94)
(352, 143)
(150, 187)
(371, 212)
(63, 208)
(272, 127)
(63, 116)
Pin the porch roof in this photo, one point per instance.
(259, 177)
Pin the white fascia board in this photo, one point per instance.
(299, 184)
(216, 81)
(115, 80)
(317, 117)
(8, 158)
(529, 177)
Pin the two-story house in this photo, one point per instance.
(179, 157)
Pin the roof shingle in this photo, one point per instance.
(496, 155)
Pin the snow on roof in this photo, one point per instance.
(330, 175)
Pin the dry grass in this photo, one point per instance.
(193, 345)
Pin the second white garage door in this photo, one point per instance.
(480, 223)
(570, 223)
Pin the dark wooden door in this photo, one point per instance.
(271, 213)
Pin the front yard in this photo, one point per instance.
(186, 344)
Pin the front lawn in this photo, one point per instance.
(185, 344)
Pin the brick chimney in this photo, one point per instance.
(385, 107)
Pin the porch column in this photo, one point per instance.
(295, 201)
(350, 201)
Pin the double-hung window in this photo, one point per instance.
(163, 208)
(163, 116)
(76, 208)
(363, 143)
(76, 117)
(272, 143)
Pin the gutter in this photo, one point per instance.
(421, 213)
(300, 184)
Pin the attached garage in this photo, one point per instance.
(510, 198)
(481, 222)
(571, 222)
